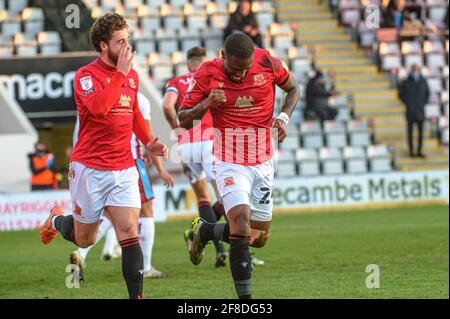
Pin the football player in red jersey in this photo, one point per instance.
(238, 90)
(194, 148)
(102, 172)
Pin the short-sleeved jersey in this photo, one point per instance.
(104, 142)
(144, 108)
(199, 132)
(242, 132)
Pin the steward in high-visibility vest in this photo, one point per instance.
(42, 168)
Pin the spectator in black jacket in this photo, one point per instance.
(244, 20)
(317, 99)
(415, 93)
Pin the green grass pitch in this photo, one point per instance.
(309, 255)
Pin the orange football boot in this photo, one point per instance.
(46, 230)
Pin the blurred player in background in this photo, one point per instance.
(102, 170)
(111, 248)
(238, 90)
(195, 148)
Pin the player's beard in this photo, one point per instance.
(113, 56)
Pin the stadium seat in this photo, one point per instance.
(161, 68)
(367, 36)
(434, 54)
(144, 41)
(308, 162)
(25, 45)
(49, 42)
(436, 9)
(331, 160)
(358, 132)
(6, 47)
(291, 142)
(432, 111)
(213, 39)
(149, 18)
(390, 56)
(132, 4)
(2, 5)
(287, 166)
(109, 5)
(167, 41)
(412, 53)
(311, 133)
(350, 11)
(172, 18)
(335, 135)
(178, 3)
(282, 36)
(16, 6)
(33, 20)
(379, 158)
(10, 24)
(355, 160)
(190, 38)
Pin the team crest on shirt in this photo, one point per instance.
(132, 84)
(125, 100)
(86, 83)
(191, 86)
(229, 181)
(259, 80)
(77, 210)
(244, 101)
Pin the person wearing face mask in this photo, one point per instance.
(244, 20)
(415, 93)
(42, 168)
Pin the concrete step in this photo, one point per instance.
(307, 15)
(342, 62)
(356, 70)
(428, 161)
(407, 168)
(323, 38)
(353, 86)
(326, 47)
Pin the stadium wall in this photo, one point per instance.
(17, 138)
(19, 211)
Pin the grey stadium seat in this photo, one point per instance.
(358, 132)
(331, 160)
(355, 160)
(379, 158)
(287, 166)
(311, 133)
(335, 134)
(308, 162)
(49, 42)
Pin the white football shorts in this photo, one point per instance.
(92, 190)
(246, 185)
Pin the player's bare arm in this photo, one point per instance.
(186, 117)
(281, 122)
(169, 108)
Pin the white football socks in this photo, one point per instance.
(110, 242)
(146, 240)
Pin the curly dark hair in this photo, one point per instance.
(104, 27)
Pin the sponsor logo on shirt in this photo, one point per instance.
(124, 100)
(88, 92)
(229, 181)
(244, 101)
(86, 83)
(259, 80)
